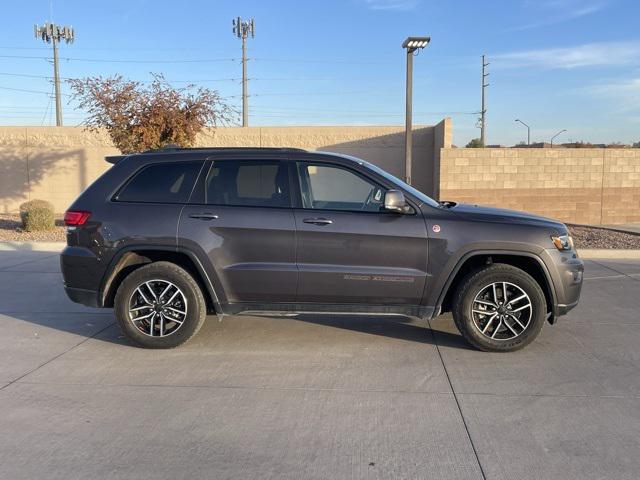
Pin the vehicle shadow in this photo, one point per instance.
(100, 325)
(391, 326)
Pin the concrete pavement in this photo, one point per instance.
(315, 396)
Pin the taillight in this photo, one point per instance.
(75, 218)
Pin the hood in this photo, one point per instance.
(503, 215)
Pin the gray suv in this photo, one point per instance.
(165, 237)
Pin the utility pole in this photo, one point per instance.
(242, 30)
(483, 112)
(52, 33)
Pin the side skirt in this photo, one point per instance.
(327, 308)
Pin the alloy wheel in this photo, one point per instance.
(502, 311)
(157, 308)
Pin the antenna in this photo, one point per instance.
(242, 29)
(52, 33)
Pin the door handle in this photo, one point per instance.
(318, 221)
(204, 216)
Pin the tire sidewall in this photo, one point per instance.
(487, 276)
(176, 275)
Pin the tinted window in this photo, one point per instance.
(161, 183)
(335, 188)
(248, 183)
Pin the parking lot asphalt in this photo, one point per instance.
(315, 396)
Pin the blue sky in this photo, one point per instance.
(556, 64)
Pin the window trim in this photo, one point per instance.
(125, 184)
(201, 184)
(300, 203)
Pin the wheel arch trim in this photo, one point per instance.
(114, 267)
(477, 253)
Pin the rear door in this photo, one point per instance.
(349, 249)
(241, 222)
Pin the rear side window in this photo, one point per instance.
(161, 183)
(256, 183)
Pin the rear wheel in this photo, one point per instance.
(499, 308)
(159, 305)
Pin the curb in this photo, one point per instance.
(611, 228)
(588, 253)
(32, 246)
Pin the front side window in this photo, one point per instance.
(259, 183)
(161, 183)
(334, 188)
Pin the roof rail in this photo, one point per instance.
(113, 159)
(175, 148)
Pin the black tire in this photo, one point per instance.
(195, 306)
(476, 282)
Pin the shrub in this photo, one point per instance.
(37, 215)
(141, 117)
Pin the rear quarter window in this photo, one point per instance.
(161, 183)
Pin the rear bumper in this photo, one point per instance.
(89, 298)
(82, 272)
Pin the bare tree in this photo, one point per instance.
(140, 117)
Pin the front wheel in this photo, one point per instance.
(499, 308)
(159, 305)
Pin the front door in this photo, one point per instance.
(350, 250)
(241, 221)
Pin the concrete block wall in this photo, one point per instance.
(592, 186)
(57, 163)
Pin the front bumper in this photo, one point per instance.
(566, 270)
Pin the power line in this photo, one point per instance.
(128, 60)
(46, 77)
(25, 75)
(310, 60)
(30, 91)
(293, 94)
(265, 113)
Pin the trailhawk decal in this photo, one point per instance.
(379, 278)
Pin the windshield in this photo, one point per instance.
(407, 188)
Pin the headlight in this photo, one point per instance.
(563, 242)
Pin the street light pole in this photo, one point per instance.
(528, 130)
(408, 125)
(553, 138)
(411, 44)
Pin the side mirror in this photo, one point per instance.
(394, 202)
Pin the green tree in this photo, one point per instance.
(141, 117)
(475, 143)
